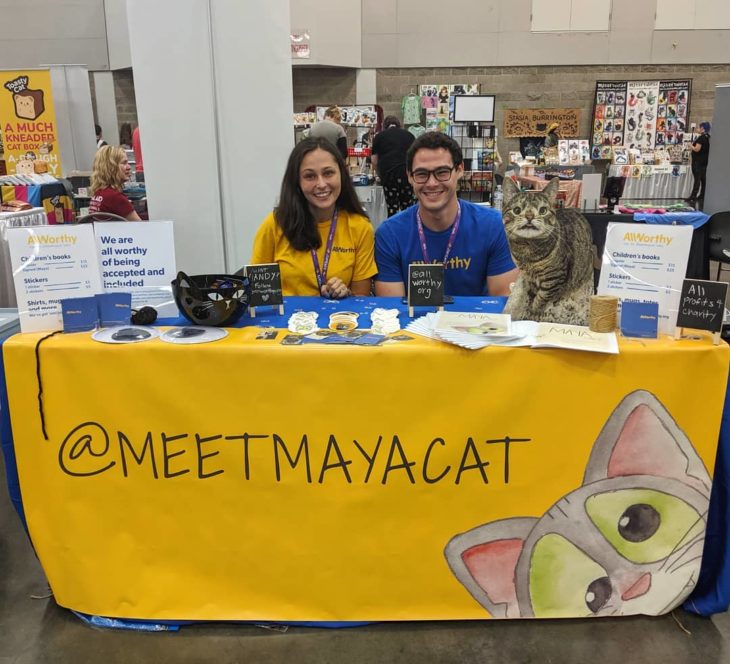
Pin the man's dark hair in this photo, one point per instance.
(433, 140)
(391, 121)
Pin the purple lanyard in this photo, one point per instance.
(452, 237)
(322, 274)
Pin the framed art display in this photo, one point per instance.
(640, 114)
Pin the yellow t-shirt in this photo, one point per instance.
(352, 257)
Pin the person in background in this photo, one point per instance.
(552, 137)
(125, 135)
(100, 142)
(108, 175)
(389, 159)
(700, 152)
(331, 129)
(467, 238)
(318, 233)
(137, 147)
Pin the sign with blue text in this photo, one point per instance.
(138, 257)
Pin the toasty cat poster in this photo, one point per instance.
(445, 484)
(28, 122)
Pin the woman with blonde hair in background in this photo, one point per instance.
(109, 173)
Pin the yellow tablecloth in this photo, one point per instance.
(247, 480)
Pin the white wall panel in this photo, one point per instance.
(214, 111)
(106, 106)
(42, 32)
(550, 15)
(117, 31)
(590, 15)
(674, 14)
(176, 107)
(255, 106)
(74, 116)
(712, 15)
(335, 29)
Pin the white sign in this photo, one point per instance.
(51, 263)
(299, 43)
(138, 257)
(646, 263)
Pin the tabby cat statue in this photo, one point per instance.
(553, 249)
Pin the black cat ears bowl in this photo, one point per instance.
(211, 299)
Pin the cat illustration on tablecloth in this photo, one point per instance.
(629, 540)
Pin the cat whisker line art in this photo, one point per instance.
(686, 547)
(677, 568)
(628, 540)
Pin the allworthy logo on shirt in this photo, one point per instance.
(454, 263)
(344, 250)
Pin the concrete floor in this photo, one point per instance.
(36, 631)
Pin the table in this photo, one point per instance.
(698, 265)
(324, 482)
(659, 186)
(32, 217)
(572, 188)
(53, 197)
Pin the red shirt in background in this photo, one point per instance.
(137, 147)
(111, 200)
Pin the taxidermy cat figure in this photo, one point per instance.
(553, 249)
(628, 540)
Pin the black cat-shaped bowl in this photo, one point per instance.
(211, 299)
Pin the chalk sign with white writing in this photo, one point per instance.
(426, 285)
(265, 282)
(702, 304)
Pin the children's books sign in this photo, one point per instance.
(646, 263)
(51, 263)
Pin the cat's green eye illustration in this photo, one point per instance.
(543, 210)
(517, 210)
(642, 525)
(564, 581)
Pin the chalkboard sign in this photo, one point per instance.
(702, 305)
(426, 285)
(265, 283)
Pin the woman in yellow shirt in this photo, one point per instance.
(318, 234)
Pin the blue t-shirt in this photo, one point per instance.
(480, 249)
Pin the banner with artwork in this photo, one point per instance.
(672, 112)
(438, 102)
(640, 114)
(519, 122)
(28, 122)
(585, 498)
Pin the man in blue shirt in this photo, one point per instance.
(468, 239)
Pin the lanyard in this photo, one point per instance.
(452, 237)
(322, 274)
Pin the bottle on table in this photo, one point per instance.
(497, 198)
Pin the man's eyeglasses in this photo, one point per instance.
(442, 174)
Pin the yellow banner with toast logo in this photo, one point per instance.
(28, 122)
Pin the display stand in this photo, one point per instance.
(477, 141)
